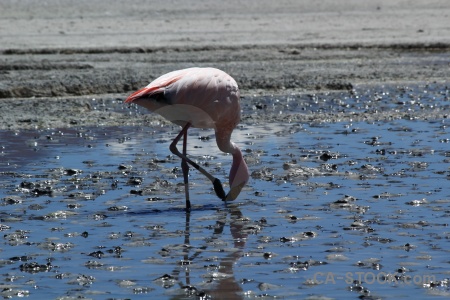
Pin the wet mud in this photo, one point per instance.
(351, 204)
(77, 88)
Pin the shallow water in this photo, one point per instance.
(336, 210)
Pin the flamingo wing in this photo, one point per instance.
(157, 86)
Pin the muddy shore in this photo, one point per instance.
(52, 75)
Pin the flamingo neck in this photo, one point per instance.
(239, 174)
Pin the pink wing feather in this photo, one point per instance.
(155, 86)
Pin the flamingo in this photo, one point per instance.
(199, 98)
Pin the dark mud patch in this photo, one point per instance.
(425, 101)
(272, 68)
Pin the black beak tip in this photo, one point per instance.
(218, 188)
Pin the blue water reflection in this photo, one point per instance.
(327, 204)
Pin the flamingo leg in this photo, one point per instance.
(184, 163)
(185, 168)
(218, 188)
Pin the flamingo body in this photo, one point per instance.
(201, 98)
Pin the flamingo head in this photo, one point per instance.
(239, 175)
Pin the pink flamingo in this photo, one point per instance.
(201, 98)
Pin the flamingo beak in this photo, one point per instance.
(234, 192)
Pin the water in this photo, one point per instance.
(334, 210)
